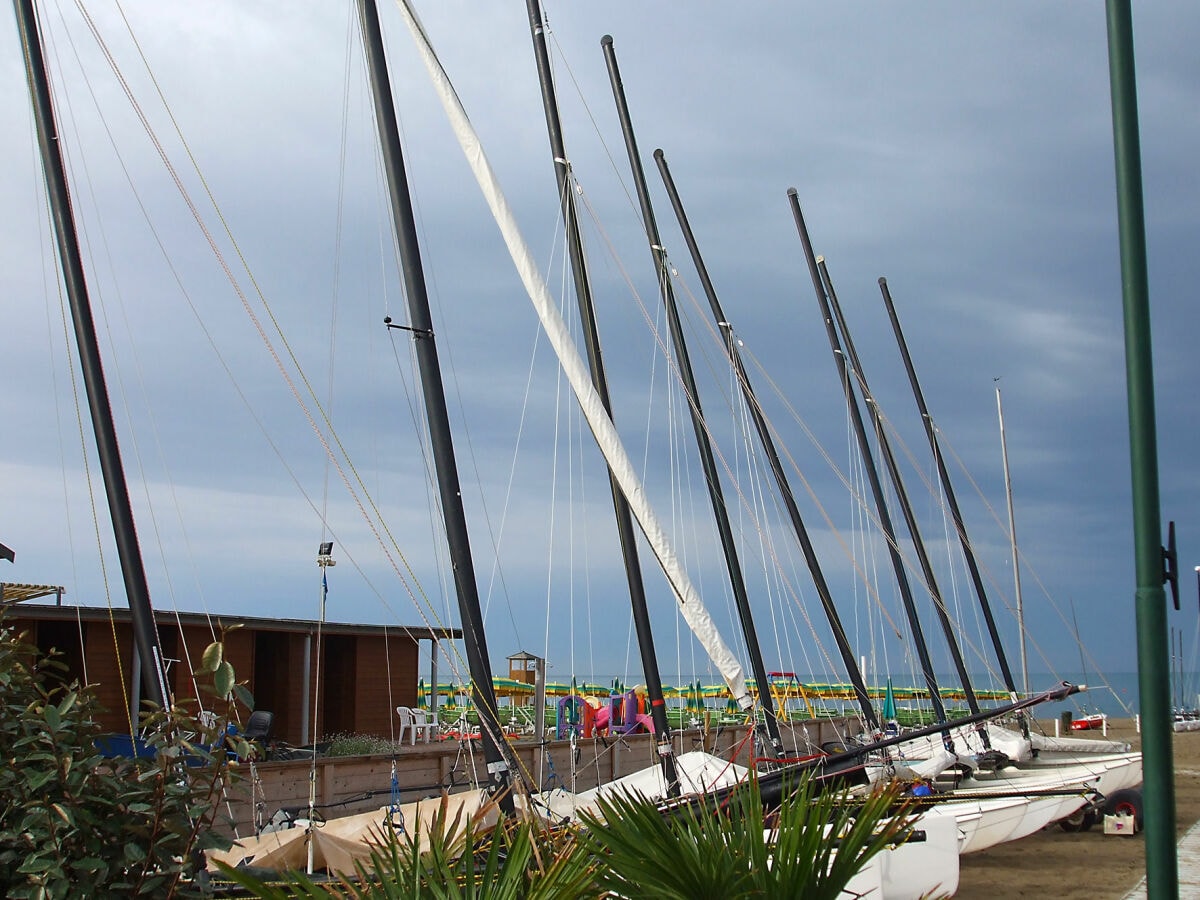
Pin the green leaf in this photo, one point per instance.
(38, 779)
(223, 679)
(63, 812)
(212, 657)
(35, 865)
(134, 852)
(242, 695)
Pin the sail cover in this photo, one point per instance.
(694, 612)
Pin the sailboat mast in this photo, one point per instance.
(1012, 536)
(591, 337)
(951, 500)
(441, 440)
(885, 519)
(133, 571)
(910, 519)
(768, 444)
(708, 463)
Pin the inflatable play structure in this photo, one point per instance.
(589, 716)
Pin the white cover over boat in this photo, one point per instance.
(339, 843)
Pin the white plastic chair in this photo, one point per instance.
(406, 723)
(414, 720)
(425, 722)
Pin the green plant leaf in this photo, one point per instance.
(212, 657)
(223, 679)
(242, 695)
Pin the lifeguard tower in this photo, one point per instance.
(526, 668)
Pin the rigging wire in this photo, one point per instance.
(376, 525)
(123, 391)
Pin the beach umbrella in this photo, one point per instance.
(889, 703)
(422, 698)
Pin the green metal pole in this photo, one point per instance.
(1162, 874)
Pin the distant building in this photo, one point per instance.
(365, 671)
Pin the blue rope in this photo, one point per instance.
(395, 817)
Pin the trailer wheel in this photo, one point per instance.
(1125, 802)
(1080, 820)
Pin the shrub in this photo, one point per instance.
(73, 822)
(358, 745)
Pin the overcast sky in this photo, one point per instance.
(964, 151)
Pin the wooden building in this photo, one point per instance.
(365, 671)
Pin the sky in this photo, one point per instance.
(964, 151)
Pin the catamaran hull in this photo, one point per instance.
(914, 869)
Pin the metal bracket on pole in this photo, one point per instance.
(420, 332)
(1171, 564)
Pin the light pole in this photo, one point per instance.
(324, 561)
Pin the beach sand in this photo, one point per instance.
(1091, 864)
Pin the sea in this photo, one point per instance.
(1114, 694)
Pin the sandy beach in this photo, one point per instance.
(1053, 863)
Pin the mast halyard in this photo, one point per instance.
(591, 337)
(768, 444)
(133, 571)
(441, 440)
(712, 476)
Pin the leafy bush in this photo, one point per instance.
(809, 849)
(74, 823)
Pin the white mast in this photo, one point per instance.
(605, 432)
(1012, 533)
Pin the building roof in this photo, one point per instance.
(522, 656)
(43, 612)
(19, 593)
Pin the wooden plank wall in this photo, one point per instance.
(361, 783)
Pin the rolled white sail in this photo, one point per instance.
(602, 427)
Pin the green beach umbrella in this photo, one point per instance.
(889, 702)
(422, 698)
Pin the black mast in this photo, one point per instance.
(885, 519)
(154, 679)
(889, 458)
(707, 461)
(421, 327)
(768, 444)
(587, 316)
(951, 500)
